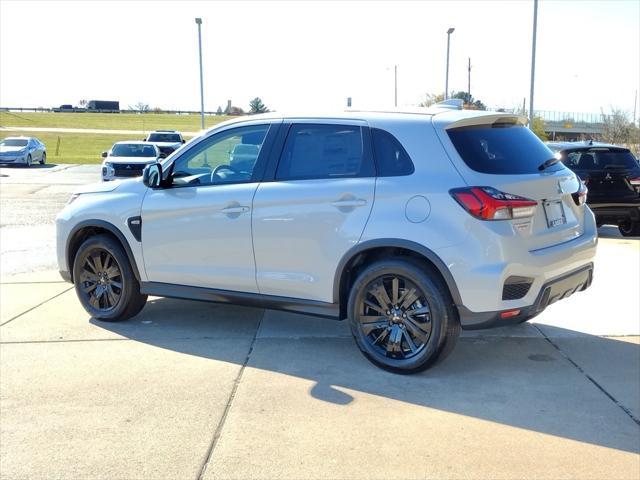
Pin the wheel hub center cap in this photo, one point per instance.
(396, 315)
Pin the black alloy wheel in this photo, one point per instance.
(105, 281)
(101, 280)
(402, 316)
(395, 317)
(629, 228)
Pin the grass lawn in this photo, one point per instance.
(75, 147)
(113, 121)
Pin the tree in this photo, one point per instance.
(617, 127)
(140, 107)
(431, 99)
(82, 103)
(219, 111)
(470, 103)
(236, 111)
(538, 127)
(257, 106)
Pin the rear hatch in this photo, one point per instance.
(612, 174)
(499, 151)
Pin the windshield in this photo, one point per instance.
(164, 137)
(14, 142)
(133, 150)
(599, 159)
(502, 150)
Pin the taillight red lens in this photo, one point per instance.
(487, 203)
(635, 182)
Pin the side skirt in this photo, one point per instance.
(272, 302)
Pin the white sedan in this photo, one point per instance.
(22, 151)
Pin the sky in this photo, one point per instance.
(313, 55)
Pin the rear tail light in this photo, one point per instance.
(580, 197)
(487, 203)
(635, 182)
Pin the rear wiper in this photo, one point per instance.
(548, 163)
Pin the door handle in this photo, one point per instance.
(351, 203)
(235, 209)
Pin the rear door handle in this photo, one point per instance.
(235, 209)
(351, 203)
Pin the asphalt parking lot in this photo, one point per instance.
(196, 390)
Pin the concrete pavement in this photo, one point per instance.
(196, 390)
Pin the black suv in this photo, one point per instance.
(612, 175)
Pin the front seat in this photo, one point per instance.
(587, 162)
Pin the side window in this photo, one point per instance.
(392, 159)
(228, 157)
(323, 151)
(571, 159)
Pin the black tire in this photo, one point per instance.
(437, 328)
(44, 158)
(28, 161)
(629, 228)
(104, 280)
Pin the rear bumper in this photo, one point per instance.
(552, 291)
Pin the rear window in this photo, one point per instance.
(599, 159)
(164, 137)
(501, 150)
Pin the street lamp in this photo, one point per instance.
(199, 23)
(446, 83)
(533, 60)
(395, 85)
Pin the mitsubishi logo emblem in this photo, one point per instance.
(608, 176)
(128, 167)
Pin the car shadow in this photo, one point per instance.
(34, 166)
(524, 381)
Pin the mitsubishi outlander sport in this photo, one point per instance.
(411, 225)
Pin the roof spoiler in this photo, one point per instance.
(491, 119)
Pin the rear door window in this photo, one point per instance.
(314, 151)
(501, 150)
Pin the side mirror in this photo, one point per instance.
(162, 155)
(184, 141)
(105, 154)
(152, 175)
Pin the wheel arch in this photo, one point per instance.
(88, 228)
(371, 250)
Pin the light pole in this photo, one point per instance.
(199, 23)
(395, 85)
(533, 60)
(446, 83)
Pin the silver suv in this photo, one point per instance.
(412, 225)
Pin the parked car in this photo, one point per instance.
(128, 159)
(411, 225)
(166, 140)
(22, 151)
(612, 175)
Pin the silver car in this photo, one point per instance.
(411, 225)
(22, 151)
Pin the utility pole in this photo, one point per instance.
(446, 82)
(395, 85)
(533, 60)
(635, 103)
(199, 23)
(469, 82)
